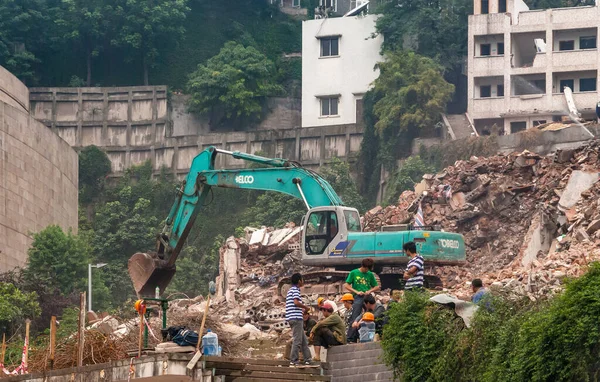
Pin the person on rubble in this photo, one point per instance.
(478, 290)
(414, 269)
(294, 316)
(330, 331)
(370, 306)
(361, 282)
(348, 300)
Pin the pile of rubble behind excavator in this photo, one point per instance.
(528, 222)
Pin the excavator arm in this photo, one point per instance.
(148, 271)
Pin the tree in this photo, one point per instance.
(59, 260)
(412, 92)
(94, 166)
(148, 27)
(410, 173)
(24, 30)
(337, 173)
(16, 305)
(432, 28)
(86, 23)
(274, 209)
(235, 83)
(196, 268)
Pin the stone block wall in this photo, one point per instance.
(357, 363)
(38, 177)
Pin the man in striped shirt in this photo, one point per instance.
(414, 269)
(293, 315)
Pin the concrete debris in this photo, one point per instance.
(528, 221)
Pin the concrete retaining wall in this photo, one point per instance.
(38, 176)
(357, 363)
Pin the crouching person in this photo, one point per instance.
(330, 331)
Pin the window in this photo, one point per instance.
(485, 6)
(566, 45)
(352, 221)
(329, 106)
(329, 4)
(485, 91)
(500, 51)
(500, 90)
(515, 127)
(587, 84)
(485, 49)
(501, 6)
(330, 46)
(540, 86)
(295, 3)
(537, 123)
(563, 83)
(321, 228)
(587, 42)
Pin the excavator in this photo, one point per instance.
(331, 236)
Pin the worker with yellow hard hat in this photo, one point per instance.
(348, 300)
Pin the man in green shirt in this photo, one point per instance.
(360, 282)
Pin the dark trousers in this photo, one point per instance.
(357, 310)
(324, 337)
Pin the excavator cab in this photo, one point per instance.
(326, 227)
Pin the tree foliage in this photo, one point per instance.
(94, 166)
(410, 173)
(337, 173)
(16, 305)
(412, 91)
(515, 340)
(196, 269)
(235, 84)
(148, 27)
(433, 28)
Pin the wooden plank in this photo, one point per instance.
(52, 341)
(290, 375)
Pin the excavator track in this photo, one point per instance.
(317, 277)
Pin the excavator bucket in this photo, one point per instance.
(148, 271)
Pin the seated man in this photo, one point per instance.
(371, 306)
(366, 328)
(320, 302)
(330, 331)
(348, 300)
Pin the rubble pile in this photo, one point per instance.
(528, 221)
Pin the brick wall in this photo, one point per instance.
(38, 183)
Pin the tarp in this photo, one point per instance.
(464, 309)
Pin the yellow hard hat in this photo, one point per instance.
(320, 301)
(368, 317)
(140, 306)
(348, 297)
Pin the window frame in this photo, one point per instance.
(296, 5)
(319, 235)
(593, 80)
(502, 6)
(326, 41)
(561, 86)
(498, 45)
(560, 45)
(489, 91)
(498, 87)
(512, 131)
(329, 101)
(489, 50)
(581, 38)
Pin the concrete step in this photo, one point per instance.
(289, 375)
(375, 354)
(248, 361)
(265, 368)
(460, 125)
(362, 370)
(351, 348)
(386, 376)
(351, 363)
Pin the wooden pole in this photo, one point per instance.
(81, 330)
(141, 335)
(202, 325)
(3, 348)
(26, 355)
(52, 340)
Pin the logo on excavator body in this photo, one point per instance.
(244, 179)
(447, 243)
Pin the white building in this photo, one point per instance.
(520, 61)
(338, 60)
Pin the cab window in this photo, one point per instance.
(321, 228)
(352, 221)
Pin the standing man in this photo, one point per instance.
(293, 315)
(414, 269)
(360, 282)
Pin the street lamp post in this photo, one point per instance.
(90, 266)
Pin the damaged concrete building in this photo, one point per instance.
(520, 61)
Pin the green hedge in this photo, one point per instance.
(555, 339)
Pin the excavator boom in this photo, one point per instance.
(147, 271)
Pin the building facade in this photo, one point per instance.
(338, 66)
(520, 61)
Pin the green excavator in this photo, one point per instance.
(332, 233)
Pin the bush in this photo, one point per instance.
(557, 339)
